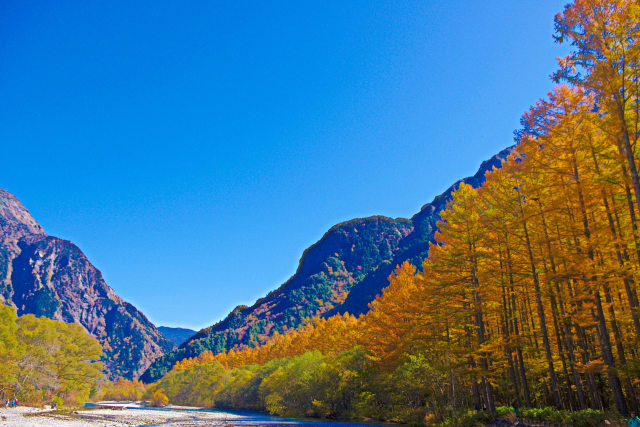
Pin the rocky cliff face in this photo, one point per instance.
(343, 272)
(51, 277)
(16, 225)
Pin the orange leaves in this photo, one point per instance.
(594, 367)
(332, 335)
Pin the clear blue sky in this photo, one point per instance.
(194, 149)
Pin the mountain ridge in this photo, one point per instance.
(176, 335)
(328, 279)
(51, 277)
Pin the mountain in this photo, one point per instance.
(415, 248)
(343, 272)
(51, 277)
(176, 335)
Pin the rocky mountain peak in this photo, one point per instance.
(47, 276)
(15, 220)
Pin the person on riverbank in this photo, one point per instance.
(634, 421)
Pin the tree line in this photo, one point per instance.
(43, 360)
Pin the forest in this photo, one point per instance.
(529, 296)
(43, 361)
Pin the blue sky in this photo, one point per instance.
(194, 149)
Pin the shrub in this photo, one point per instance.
(468, 418)
(503, 411)
(586, 418)
(583, 418)
(159, 398)
(58, 401)
(543, 414)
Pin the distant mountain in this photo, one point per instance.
(176, 335)
(51, 277)
(343, 272)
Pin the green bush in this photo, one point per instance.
(468, 418)
(543, 414)
(502, 411)
(583, 418)
(586, 418)
(59, 401)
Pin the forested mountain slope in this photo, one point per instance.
(51, 277)
(343, 271)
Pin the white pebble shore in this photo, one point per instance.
(24, 416)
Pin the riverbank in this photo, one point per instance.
(114, 414)
(111, 417)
